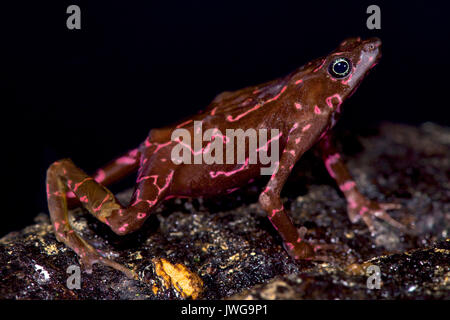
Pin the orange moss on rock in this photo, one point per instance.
(188, 283)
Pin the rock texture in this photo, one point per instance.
(226, 247)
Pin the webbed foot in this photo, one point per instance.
(308, 250)
(359, 207)
(88, 255)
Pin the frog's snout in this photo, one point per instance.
(372, 44)
(373, 47)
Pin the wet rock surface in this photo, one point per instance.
(226, 247)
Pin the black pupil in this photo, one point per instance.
(340, 67)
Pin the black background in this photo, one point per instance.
(93, 93)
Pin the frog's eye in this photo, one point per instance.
(340, 68)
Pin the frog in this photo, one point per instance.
(303, 106)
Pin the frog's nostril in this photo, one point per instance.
(372, 46)
(373, 43)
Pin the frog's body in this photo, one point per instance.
(303, 106)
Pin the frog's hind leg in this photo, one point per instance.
(115, 170)
(63, 176)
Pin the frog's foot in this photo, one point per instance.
(307, 250)
(88, 255)
(97, 257)
(367, 210)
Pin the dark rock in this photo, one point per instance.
(236, 253)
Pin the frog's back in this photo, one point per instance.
(234, 102)
(230, 102)
(228, 107)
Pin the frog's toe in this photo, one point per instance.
(322, 258)
(386, 217)
(111, 263)
(353, 215)
(307, 250)
(323, 246)
(368, 220)
(91, 256)
(378, 210)
(390, 206)
(320, 252)
(368, 211)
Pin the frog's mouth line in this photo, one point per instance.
(376, 60)
(369, 70)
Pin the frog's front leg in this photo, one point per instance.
(270, 201)
(358, 206)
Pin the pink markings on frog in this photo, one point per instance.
(330, 161)
(289, 245)
(130, 158)
(160, 189)
(147, 142)
(77, 185)
(352, 203)
(292, 151)
(275, 211)
(256, 107)
(141, 215)
(225, 139)
(232, 190)
(215, 174)
(317, 110)
(349, 78)
(306, 128)
(319, 67)
(101, 204)
(363, 210)
(348, 185)
(161, 145)
(298, 105)
(133, 153)
(266, 145)
(138, 193)
(231, 119)
(329, 102)
(184, 123)
(123, 228)
(125, 160)
(191, 150)
(100, 176)
(295, 126)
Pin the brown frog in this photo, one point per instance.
(303, 106)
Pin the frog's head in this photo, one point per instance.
(351, 61)
(342, 70)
